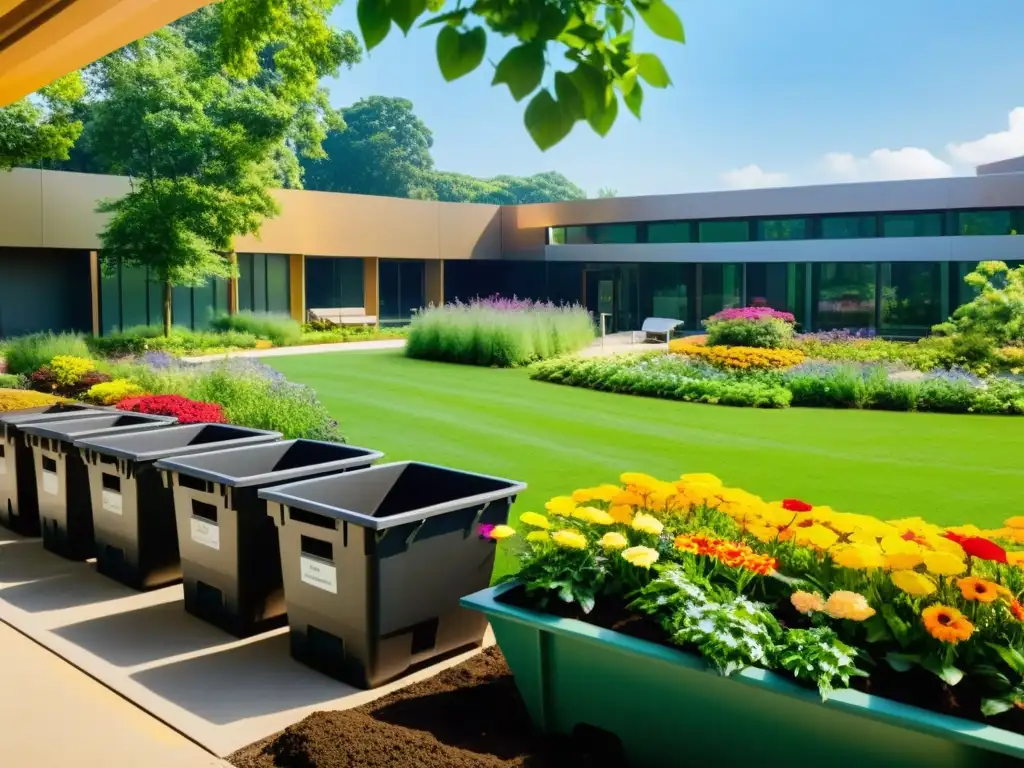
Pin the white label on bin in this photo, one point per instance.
(50, 482)
(112, 502)
(205, 532)
(319, 574)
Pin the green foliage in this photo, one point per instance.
(41, 127)
(279, 328)
(180, 341)
(350, 333)
(818, 656)
(479, 335)
(13, 381)
(26, 354)
(996, 313)
(770, 333)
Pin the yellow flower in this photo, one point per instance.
(942, 544)
(860, 557)
(762, 532)
(621, 513)
(647, 524)
(593, 515)
(701, 478)
(627, 498)
(638, 479)
(570, 539)
(943, 563)
(537, 521)
(1015, 522)
(600, 493)
(915, 525)
(561, 505)
(901, 555)
(613, 540)
(641, 557)
(816, 535)
(965, 530)
(807, 602)
(500, 532)
(848, 605)
(1015, 558)
(913, 583)
(537, 536)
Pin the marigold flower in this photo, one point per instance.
(913, 583)
(848, 605)
(1015, 522)
(560, 505)
(593, 515)
(621, 513)
(638, 479)
(762, 532)
(613, 540)
(816, 535)
(641, 557)
(1016, 609)
(943, 563)
(686, 543)
(807, 602)
(535, 520)
(500, 532)
(946, 624)
(701, 478)
(795, 505)
(980, 590)
(647, 524)
(859, 557)
(1015, 558)
(570, 539)
(627, 498)
(538, 536)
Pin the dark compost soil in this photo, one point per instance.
(469, 716)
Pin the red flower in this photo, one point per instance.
(1017, 610)
(978, 547)
(187, 411)
(795, 505)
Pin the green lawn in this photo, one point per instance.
(948, 469)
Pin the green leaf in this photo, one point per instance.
(452, 18)
(877, 630)
(521, 69)
(902, 662)
(603, 117)
(586, 32)
(591, 84)
(613, 15)
(545, 120)
(459, 53)
(569, 98)
(662, 20)
(586, 602)
(991, 707)
(374, 22)
(1012, 657)
(552, 23)
(652, 70)
(405, 12)
(634, 99)
(991, 678)
(945, 672)
(900, 628)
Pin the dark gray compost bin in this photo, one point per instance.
(133, 520)
(230, 556)
(62, 480)
(19, 504)
(375, 562)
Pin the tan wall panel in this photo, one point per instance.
(69, 207)
(21, 209)
(469, 231)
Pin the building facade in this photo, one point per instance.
(884, 255)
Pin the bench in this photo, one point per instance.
(342, 316)
(657, 329)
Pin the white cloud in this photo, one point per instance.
(886, 165)
(993, 146)
(752, 177)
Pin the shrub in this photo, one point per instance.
(67, 375)
(996, 313)
(13, 381)
(26, 354)
(141, 339)
(113, 392)
(20, 399)
(278, 328)
(498, 332)
(741, 358)
(750, 327)
(187, 411)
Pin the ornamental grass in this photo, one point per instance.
(802, 589)
(739, 358)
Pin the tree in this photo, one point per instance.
(996, 313)
(383, 150)
(606, 192)
(41, 127)
(595, 36)
(546, 187)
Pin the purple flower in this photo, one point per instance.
(752, 313)
(160, 360)
(838, 336)
(485, 530)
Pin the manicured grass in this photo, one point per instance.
(946, 468)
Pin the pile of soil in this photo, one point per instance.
(468, 716)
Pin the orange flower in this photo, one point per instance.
(1017, 610)
(981, 590)
(807, 602)
(946, 624)
(686, 544)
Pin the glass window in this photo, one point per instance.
(204, 304)
(670, 232)
(556, 235)
(181, 306)
(577, 236)
(843, 297)
(278, 298)
(912, 225)
(220, 297)
(615, 233)
(779, 286)
(783, 229)
(668, 290)
(724, 231)
(156, 301)
(990, 222)
(245, 282)
(259, 282)
(411, 288)
(133, 297)
(334, 283)
(721, 287)
(913, 299)
(842, 227)
(110, 299)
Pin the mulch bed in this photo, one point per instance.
(468, 716)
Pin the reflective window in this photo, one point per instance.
(577, 236)
(278, 293)
(669, 290)
(614, 233)
(721, 287)
(181, 306)
(334, 283)
(912, 225)
(670, 232)
(779, 286)
(724, 231)
(990, 222)
(134, 291)
(843, 296)
(556, 235)
(401, 289)
(795, 228)
(913, 298)
(841, 227)
(110, 298)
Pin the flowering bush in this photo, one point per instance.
(113, 392)
(742, 358)
(187, 411)
(19, 399)
(750, 327)
(67, 375)
(798, 588)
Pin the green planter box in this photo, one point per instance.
(669, 710)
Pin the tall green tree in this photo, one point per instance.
(42, 127)
(548, 187)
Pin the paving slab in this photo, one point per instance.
(305, 349)
(220, 692)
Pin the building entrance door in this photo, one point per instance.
(613, 291)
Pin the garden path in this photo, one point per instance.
(306, 349)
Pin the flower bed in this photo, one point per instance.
(187, 411)
(20, 399)
(740, 358)
(750, 327)
(498, 332)
(903, 609)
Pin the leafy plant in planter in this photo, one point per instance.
(187, 411)
(750, 327)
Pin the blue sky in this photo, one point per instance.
(766, 92)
